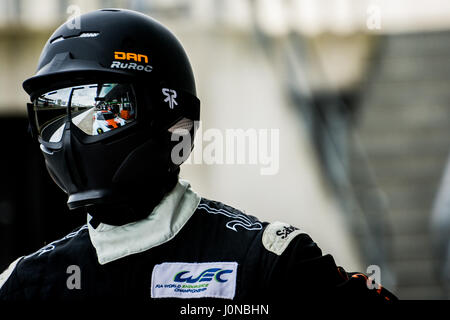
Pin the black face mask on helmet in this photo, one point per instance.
(106, 102)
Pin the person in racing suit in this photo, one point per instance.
(149, 236)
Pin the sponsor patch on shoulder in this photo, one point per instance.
(278, 235)
(194, 280)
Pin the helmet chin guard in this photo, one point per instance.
(103, 102)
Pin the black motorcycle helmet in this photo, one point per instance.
(106, 102)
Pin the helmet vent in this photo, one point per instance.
(81, 35)
(57, 39)
(88, 34)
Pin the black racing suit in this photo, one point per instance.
(219, 253)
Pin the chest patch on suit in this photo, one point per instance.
(278, 235)
(194, 280)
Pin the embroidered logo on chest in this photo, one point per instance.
(194, 280)
(236, 219)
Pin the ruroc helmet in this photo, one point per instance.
(106, 101)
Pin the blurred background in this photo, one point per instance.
(359, 91)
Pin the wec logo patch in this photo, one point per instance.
(205, 276)
(194, 280)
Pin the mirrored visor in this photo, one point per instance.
(93, 108)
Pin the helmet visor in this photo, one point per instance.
(93, 108)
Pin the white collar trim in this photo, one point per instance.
(162, 225)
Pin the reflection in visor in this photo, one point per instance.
(94, 108)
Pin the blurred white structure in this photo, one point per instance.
(239, 88)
